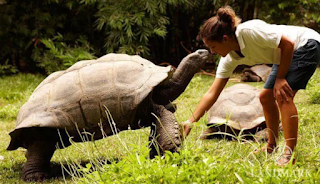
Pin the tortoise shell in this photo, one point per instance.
(239, 107)
(76, 99)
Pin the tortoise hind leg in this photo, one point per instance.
(38, 156)
(165, 133)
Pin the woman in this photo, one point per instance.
(294, 52)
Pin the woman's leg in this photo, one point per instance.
(271, 113)
(289, 117)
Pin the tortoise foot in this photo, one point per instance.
(35, 173)
(37, 167)
(35, 176)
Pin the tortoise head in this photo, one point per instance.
(197, 59)
(180, 79)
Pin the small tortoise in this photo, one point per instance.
(237, 111)
(80, 100)
(256, 73)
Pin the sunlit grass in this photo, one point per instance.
(124, 159)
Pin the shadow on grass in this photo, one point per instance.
(65, 170)
(60, 170)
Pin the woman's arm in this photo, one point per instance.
(209, 98)
(281, 88)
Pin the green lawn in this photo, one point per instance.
(124, 157)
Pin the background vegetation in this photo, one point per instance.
(49, 35)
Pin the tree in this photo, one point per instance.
(50, 35)
(293, 12)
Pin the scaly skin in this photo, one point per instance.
(165, 134)
(37, 167)
(190, 65)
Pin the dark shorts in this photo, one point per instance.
(304, 62)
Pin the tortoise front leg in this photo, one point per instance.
(165, 133)
(38, 156)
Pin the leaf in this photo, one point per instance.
(239, 178)
(160, 32)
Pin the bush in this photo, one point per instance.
(6, 69)
(57, 55)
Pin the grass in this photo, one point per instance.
(124, 158)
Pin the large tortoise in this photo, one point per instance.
(133, 90)
(236, 112)
(256, 73)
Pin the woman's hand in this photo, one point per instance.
(187, 128)
(282, 90)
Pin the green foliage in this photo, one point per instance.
(159, 30)
(150, 27)
(24, 24)
(57, 55)
(314, 89)
(186, 167)
(6, 69)
(129, 24)
(196, 166)
(294, 12)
